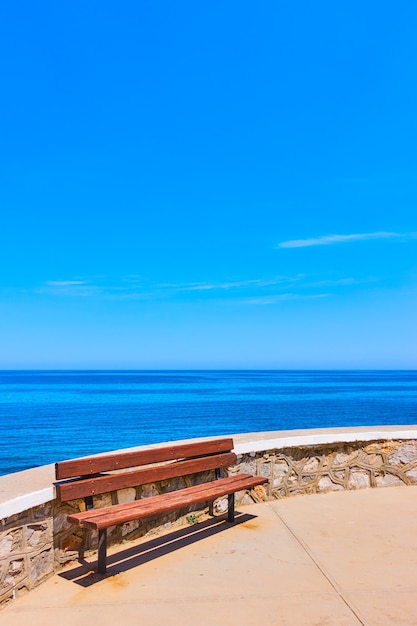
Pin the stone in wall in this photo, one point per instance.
(37, 534)
(404, 455)
(129, 528)
(325, 484)
(69, 540)
(220, 506)
(412, 475)
(102, 500)
(10, 542)
(42, 564)
(126, 495)
(388, 480)
(359, 480)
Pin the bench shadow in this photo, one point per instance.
(85, 575)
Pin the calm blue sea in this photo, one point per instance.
(46, 416)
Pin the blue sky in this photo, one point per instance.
(208, 185)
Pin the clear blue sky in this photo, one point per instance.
(208, 185)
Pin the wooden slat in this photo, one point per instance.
(202, 487)
(155, 505)
(169, 502)
(103, 484)
(158, 504)
(122, 460)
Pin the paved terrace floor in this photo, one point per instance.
(341, 559)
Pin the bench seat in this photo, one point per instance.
(155, 505)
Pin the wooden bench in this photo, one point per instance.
(87, 477)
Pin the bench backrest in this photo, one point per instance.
(86, 477)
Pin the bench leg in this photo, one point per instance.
(231, 508)
(102, 551)
(211, 509)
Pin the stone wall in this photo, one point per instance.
(26, 550)
(332, 467)
(39, 541)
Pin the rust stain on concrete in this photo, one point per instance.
(250, 525)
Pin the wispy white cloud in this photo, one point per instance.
(328, 240)
(64, 283)
(258, 282)
(341, 282)
(274, 299)
(251, 291)
(195, 287)
(71, 288)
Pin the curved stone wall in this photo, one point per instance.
(329, 467)
(36, 540)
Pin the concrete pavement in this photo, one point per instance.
(341, 559)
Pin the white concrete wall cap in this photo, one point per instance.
(29, 500)
(321, 438)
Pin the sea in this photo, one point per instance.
(49, 416)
